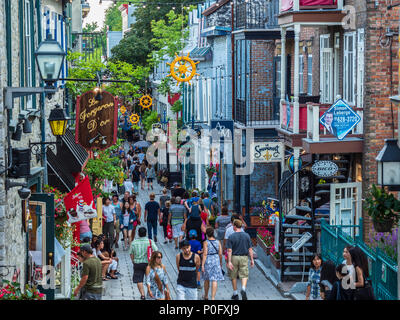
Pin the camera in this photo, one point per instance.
(24, 193)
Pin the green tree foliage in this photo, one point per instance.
(177, 107)
(90, 27)
(136, 46)
(149, 117)
(113, 17)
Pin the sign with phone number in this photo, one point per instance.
(340, 119)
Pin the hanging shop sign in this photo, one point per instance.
(79, 202)
(183, 68)
(224, 129)
(340, 119)
(146, 101)
(134, 118)
(324, 169)
(267, 152)
(96, 120)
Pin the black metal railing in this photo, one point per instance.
(256, 112)
(93, 45)
(257, 14)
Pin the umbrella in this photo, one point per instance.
(141, 144)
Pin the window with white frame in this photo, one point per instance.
(326, 69)
(309, 75)
(301, 73)
(28, 52)
(360, 68)
(349, 68)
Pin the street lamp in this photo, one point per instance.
(58, 121)
(49, 58)
(388, 161)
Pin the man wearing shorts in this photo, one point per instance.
(138, 254)
(239, 248)
(176, 218)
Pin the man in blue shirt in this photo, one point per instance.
(153, 213)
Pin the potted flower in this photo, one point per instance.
(383, 208)
(275, 257)
(13, 291)
(211, 169)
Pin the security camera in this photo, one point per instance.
(24, 193)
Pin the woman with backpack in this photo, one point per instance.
(126, 221)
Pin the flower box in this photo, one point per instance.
(262, 245)
(275, 262)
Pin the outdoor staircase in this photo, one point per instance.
(301, 216)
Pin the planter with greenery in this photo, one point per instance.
(13, 291)
(275, 257)
(383, 208)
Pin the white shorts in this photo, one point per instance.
(113, 266)
(177, 231)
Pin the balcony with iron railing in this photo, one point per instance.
(256, 113)
(256, 14)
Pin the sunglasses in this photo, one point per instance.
(159, 257)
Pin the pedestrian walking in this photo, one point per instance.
(314, 277)
(150, 174)
(188, 264)
(117, 205)
(178, 191)
(164, 219)
(91, 286)
(363, 286)
(211, 268)
(222, 221)
(135, 174)
(138, 254)
(152, 215)
(348, 262)
(177, 218)
(126, 220)
(164, 198)
(239, 247)
(129, 186)
(142, 171)
(136, 208)
(110, 219)
(196, 247)
(156, 278)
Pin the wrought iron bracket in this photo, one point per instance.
(36, 148)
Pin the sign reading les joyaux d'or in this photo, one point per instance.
(96, 120)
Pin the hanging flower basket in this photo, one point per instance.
(383, 225)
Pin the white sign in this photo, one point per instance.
(302, 241)
(277, 235)
(267, 152)
(324, 169)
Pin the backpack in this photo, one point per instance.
(149, 251)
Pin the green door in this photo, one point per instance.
(43, 205)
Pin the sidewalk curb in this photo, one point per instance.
(277, 284)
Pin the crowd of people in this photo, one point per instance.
(203, 234)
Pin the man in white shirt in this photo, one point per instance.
(110, 219)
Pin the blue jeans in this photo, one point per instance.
(183, 293)
(86, 234)
(152, 226)
(136, 186)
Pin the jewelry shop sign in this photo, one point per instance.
(267, 152)
(324, 169)
(96, 120)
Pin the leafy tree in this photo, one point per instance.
(90, 27)
(149, 118)
(113, 17)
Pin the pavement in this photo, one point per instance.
(259, 286)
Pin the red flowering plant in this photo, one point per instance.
(63, 229)
(274, 253)
(266, 236)
(13, 291)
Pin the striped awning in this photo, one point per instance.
(201, 53)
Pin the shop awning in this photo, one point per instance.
(201, 54)
(72, 151)
(216, 31)
(59, 175)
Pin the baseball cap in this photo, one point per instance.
(86, 247)
(192, 233)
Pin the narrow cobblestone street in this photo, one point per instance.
(258, 287)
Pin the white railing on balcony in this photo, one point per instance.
(297, 5)
(313, 124)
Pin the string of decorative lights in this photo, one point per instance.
(144, 4)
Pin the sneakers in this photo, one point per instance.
(244, 295)
(235, 297)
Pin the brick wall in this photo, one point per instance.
(263, 182)
(378, 72)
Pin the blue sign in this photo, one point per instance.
(340, 119)
(225, 128)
